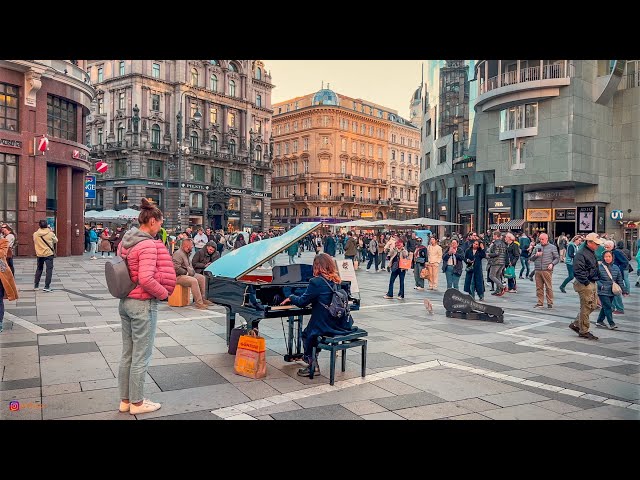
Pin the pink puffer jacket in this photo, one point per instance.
(150, 265)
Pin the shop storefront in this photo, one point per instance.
(565, 221)
(465, 214)
(499, 208)
(256, 214)
(538, 220)
(234, 213)
(551, 211)
(630, 236)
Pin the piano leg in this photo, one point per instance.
(290, 339)
(299, 346)
(231, 322)
(290, 356)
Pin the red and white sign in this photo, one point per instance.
(78, 155)
(102, 167)
(43, 144)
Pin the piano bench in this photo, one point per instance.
(180, 296)
(342, 342)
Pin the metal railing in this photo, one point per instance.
(528, 74)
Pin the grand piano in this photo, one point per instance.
(238, 282)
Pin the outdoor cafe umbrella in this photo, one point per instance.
(426, 221)
(129, 214)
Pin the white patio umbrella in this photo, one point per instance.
(106, 215)
(426, 221)
(388, 221)
(354, 223)
(129, 214)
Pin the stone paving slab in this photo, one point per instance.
(74, 404)
(183, 376)
(20, 384)
(382, 416)
(510, 399)
(560, 372)
(364, 407)
(399, 402)
(327, 412)
(18, 394)
(201, 415)
(558, 406)
(75, 367)
(365, 391)
(605, 412)
(67, 348)
(433, 411)
(627, 391)
(395, 386)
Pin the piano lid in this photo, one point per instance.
(239, 262)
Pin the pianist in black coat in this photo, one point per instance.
(321, 323)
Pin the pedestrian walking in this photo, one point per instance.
(511, 260)
(586, 271)
(105, 243)
(7, 281)
(7, 232)
(474, 281)
(420, 261)
(453, 264)
(292, 251)
(497, 254)
(434, 259)
(610, 274)
(395, 254)
(545, 258)
(44, 241)
(525, 243)
(572, 249)
(93, 242)
(151, 268)
(373, 253)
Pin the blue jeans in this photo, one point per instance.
(394, 274)
(617, 303)
(41, 261)
(139, 318)
(373, 258)
(625, 275)
(569, 277)
(452, 280)
(606, 310)
(524, 263)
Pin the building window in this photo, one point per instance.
(409, 158)
(121, 68)
(155, 136)
(416, 176)
(258, 153)
(295, 146)
(305, 163)
(257, 127)
(286, 128)
(442, 155)
(325, 141)
(354, 125)
(235, 178)
(393, 154)
(155, 70)
(120, 168)
(370, 150)
(258, 182)
(294, 170)
(519, 116)
(100, 74)
(379, 152)
(194, 77)
(427, 130)
(343, 144)
(120, 136)
(61, 118)
(9, 188)
(325, 121)
(295, 126)
(214, 144)
(232, 147)
(232, 88)
(121, 196)
(401, 157)
(217, 175)
(305, 144)
(233, 67)
(286, 169)
(232, 120)
(155, 102)
(393, 173)
(154, 195)
(258, 73)
(427, 160)
(196, 200)
(213, 83)
(9, 113)
(154, 168)
(198, 172)
(363, 129)
(101, 106)
(466, 190)
(121, 100)
(402, 174)
(194, 141)
(277, 149)
(258, 101)
(100, 136)
(213, 116)
(214, 62)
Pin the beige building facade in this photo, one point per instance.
(338, 158)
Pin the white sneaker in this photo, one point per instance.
(146, 407)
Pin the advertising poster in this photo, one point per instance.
(586, 219)
(348, 273)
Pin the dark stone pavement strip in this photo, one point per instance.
(185, 375)
(74, 332)
(328, 412)
(56, 326)
(561, 397)
(408, 400)
(577, 366)
(18, 344)
(487, 364)
(19, 384)
(589, 348)
(175, 351)
(376, 360)
(626, 369)
(67, 348)
(510, 347)
(21, 312)
(572, 386)
(201, 415)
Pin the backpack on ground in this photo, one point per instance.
(116, 272)
(338, 308)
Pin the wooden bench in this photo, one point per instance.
(181, 296)
(342, 342)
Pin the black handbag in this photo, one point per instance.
(236, 333)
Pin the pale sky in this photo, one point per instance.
(389, 83)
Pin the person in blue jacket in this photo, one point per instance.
(605, 288)
(319, 293)
(93, 242)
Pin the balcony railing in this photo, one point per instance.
(630, 80)
(528, 74)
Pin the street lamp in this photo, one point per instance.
(183, 149)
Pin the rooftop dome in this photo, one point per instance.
(325, 97)
(417, 96)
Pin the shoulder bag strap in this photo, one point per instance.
(47, 244)
(334, 288)
(607, 269)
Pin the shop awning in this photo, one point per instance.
(510, 225)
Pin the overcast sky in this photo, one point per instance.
(390, 83)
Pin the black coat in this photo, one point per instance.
(330, 246)
(202, 257)
(476, 274)
(585, 266)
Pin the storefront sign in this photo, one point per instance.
(550, 195)
(538, 214)
(366, 215)
(195, 186)
(564, 214)
(466, 206)
(78, 155)
(90, 187)
(586, 219)
(499, 204)
(119, 182)
(260, 194)
(5, 142)
(256, 215)
(155, 184)
(246, 191)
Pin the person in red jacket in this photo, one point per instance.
(151, 267)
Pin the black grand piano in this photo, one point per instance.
(238, 282)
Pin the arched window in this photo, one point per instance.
(120, 132)
(232, 88)
(232, 147)
(258, 101)
(214, 62)
(194, 141)
(213, 83)
(259, 73)
(233, 67)
(259, 153)
(214, 144)
(155, 136)
(194, 77)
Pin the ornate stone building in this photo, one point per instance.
(338, 158)
(192, 135)
(41, 98)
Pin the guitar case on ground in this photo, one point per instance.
(460, 305)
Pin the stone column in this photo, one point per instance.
(63, 214)
(77, 212)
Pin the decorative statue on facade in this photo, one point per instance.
(217, 195)
(136, 118)
(252, 146)
(271, 147)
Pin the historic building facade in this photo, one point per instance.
(338, 158)
(38, 99)
(192, 135)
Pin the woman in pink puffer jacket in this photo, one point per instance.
(151, 267)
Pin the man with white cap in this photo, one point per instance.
(585, 269)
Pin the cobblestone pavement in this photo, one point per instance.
(59, 357)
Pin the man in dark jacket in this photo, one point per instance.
(330, 245)
(497, 254)
(205, 257)
(350, 248)
(585, 269)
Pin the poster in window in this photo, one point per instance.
(586, 219)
